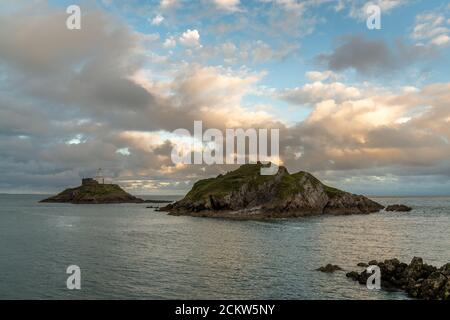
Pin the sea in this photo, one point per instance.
(129, 251)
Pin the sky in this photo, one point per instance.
(365, 110)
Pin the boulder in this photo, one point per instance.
(329, 268)
(362, 264)
(432, 286)
(398, 208)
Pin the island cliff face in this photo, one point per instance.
(244, 193)
(93, 192)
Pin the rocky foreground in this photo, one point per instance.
(245, 194)
(92, 192)
(417, 279)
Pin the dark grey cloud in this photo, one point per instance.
(36, 40)
(373, 57)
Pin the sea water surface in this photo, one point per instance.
(130, 252)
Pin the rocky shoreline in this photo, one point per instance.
(418, 279)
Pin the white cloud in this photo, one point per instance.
(123, 151)
(441, 40)
(293, 5)
(157, 20)
(339, 6)
(228, 5)
(166, 4)
(229, 49)
(77, 140)
(318, 91)
(358, 9)
(190, 38)
(321, 76)
(260, 51)
(170, 42)
(430, 27)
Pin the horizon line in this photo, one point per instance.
(175, 194)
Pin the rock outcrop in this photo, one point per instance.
(92, 192)
(329, 268)
(398, 208)
(244, 193)
(418, 279)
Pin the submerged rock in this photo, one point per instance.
(329, 268)
(398, 208)
(417, 279)
(244, 193)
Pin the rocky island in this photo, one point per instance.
(92, 192)
(245, 194)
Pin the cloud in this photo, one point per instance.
(358, 9)
(292, 5)
(228, 5)
(246, 52)
(312, 93)
(214, 95)
(157, 20)
(261, 51)
(167, 4)
(430, 27)
(364, 135)
(370, 57)
(321, 76)
(98, 98)
(57, 47)
(170, 42)
(291, 18)
(441, 40)
(190, 38)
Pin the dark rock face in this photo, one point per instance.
(418, 279)
(329, 268)
(398, 208)
(244, 193)
(91, 192)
